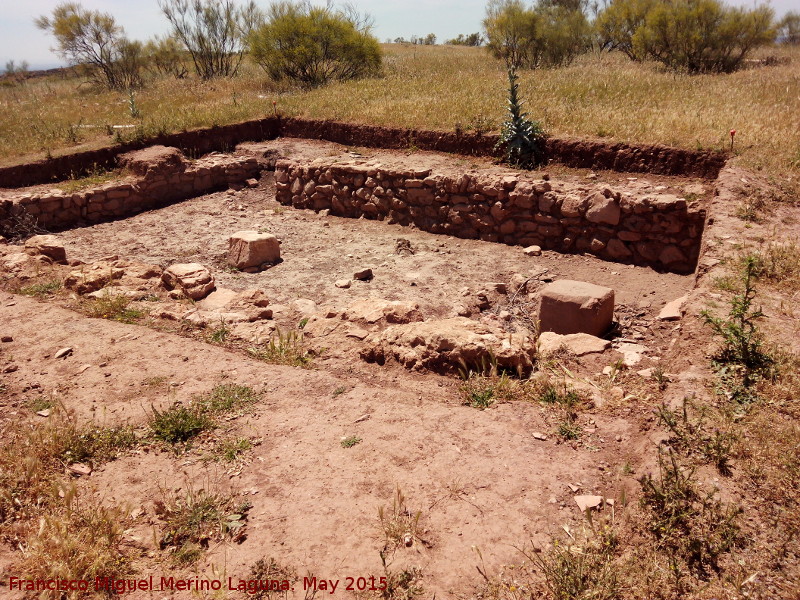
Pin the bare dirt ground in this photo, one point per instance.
(480, 479)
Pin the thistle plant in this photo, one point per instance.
(521, 139)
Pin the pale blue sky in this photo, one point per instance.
(21, 40)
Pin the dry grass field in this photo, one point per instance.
(440, 87)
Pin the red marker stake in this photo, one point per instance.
(733, 133)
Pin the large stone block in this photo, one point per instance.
(249, 249)
(576, 307)
(192, 279)
(47, 245)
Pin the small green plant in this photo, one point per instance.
(577, 571)
(400, 526)
(220, 334)
(303, 322)
(95, 443)
(41, 290)
(39, 403)
(569, 429)
(552, 395)
(479, 391)
(521, 140)
(351, 441)
(229, 450)
(227, 397)
(270, 570)
(193, 519)
(178, 424)
(114, 307)
(691, 436)
(133, 108)
(692, 526)
(741, 357)
(284, 349)
(660, 377)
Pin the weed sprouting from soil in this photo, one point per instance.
(741, 359)
(114, 307)
(231, 449)
(273, 574)
(284, 349)
(692, 526)
(400, 526)
(194, 518)
(351, 441)
(521, 139)
(690, 435)
(179, 424)
(226, 398)
(42, 290)
(75, 543)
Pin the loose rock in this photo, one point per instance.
(193, 279)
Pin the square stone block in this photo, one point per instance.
(576, 307)
(251, 249)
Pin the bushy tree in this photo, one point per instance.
(93, 40)
(470, 39)
(789, 28)
(699, 36)
(550, 34)
(619, 21)
(313, 45)
(213, 31)
(17, 73)
(165, 56)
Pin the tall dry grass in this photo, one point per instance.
(441, 87)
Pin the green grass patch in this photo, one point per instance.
(351, 441)
(42, 290)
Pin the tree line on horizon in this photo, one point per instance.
(312, 45)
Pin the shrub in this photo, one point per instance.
(522, 140)
(313, 45)
(164, 57)
(471, 39)
(789, 28)
(701, 36)
(742, 345)
(213, 31)
(619, 21)
(546, 36)
(94, 40)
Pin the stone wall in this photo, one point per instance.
(577, 153)
(158, 176)
(658, 230)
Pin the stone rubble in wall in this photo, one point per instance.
(655, 229)
(168, 177)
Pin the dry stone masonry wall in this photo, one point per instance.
(658, 230)
(159, 176)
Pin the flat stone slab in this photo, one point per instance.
(672, 311)
(578, 344)
(576, 307)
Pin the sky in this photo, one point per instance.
(21, 40)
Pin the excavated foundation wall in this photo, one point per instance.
(577, 153)
(660, 231)
(159, 177)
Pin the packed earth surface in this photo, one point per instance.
(469, 486)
